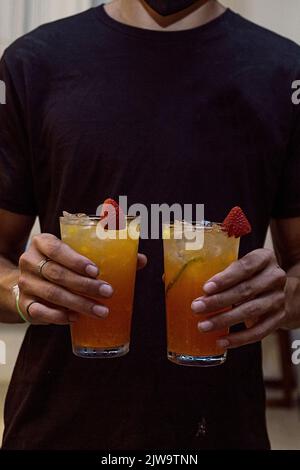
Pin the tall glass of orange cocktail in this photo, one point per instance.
(188, 266)
(116, 257)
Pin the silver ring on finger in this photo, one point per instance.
(28, 308)
(42, 264)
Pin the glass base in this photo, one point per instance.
(196, 361)
(100, 353)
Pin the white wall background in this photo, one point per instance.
(19, 16)
(282, 16)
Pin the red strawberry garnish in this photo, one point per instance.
(236, 223)
(112, 216)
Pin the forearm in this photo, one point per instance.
(9, 275)
(293, 297)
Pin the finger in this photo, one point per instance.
(142, 261)
(54, 249)
(40, 314)
(61, 297)
(254, 334)
(239, 271)
(247, 312)
(61, 276)
(268, 280)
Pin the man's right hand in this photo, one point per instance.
(53, 292)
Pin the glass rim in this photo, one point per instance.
(74, 218)
(194, 224)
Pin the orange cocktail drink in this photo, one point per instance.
(188, 266)
(116, 257)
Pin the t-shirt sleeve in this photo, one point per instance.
(16, 181)
(287, 203)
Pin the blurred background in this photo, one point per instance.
(282, 379)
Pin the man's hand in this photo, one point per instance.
(67, 272)
(254, 288)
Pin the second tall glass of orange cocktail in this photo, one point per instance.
(188, 266)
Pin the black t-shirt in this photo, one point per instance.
(99, 109)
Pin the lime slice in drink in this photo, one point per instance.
(181, 271)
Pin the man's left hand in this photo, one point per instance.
(254, 288)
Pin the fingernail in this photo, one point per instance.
(223, 343)
(210, 287)
(92, 270)
(100, 311)
(198, 306)
(205, 326)
(106, 290)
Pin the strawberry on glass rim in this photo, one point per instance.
(236, 223)
(112, 216)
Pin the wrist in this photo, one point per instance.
(8, 311)
(22, 315)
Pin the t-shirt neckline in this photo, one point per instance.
(210, 28)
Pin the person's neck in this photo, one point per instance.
(137, 13)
